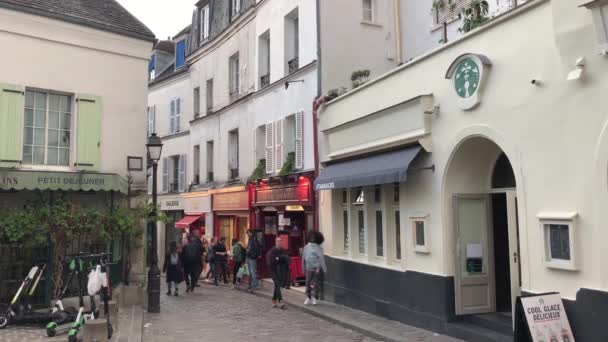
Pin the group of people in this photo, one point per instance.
(188, 265)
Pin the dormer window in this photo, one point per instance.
(151, 67)
(204, 28)
(180, 54)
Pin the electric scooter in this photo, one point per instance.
(20, 311)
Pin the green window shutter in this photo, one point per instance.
(11, 124)
(88, 132)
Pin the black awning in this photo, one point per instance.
(382, 168)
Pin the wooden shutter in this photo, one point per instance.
(181, 180)
(299, 141)
(269, 148)
(88, 132)
(12, 102)
(278, 145)
(165, 175)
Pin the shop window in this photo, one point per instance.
(420, 234)
(361, 230)
(379, 234)
(396, 194)
(558, 231)
(359, 196)
(345, 230)
(377, 194)
(397, 235)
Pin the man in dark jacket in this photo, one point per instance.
(221, 260)
(253, 252)
(192, 257)
(278, 260)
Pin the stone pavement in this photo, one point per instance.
(224, 314)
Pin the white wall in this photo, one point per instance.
(553, 135)
(59, 56)
(161, 95)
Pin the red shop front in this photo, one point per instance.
(284, 207)
(231, 213)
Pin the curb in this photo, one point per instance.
(369, 333)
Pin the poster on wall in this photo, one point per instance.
(547, 319)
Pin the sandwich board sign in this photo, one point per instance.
(546, 318)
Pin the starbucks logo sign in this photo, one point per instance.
(468, 73)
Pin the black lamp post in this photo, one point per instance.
(154, 147)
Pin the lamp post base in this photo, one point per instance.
(154, 289)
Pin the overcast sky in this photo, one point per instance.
(164, 17)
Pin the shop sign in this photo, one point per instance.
(547, 319)
(172, 203)
(68, 181)
(197, 205)
(468, 74)
(295, 193)
(231, 201)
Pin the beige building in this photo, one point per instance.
(474, 174)
(72, 104)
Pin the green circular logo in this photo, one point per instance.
(467, 78)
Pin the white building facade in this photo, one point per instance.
(493, 177)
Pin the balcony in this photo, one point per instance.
(264, 81)
(293, 65)
(234, 174)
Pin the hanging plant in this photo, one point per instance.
(475, 14)
(289, 165)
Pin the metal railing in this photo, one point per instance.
(264, 81)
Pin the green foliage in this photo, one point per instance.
(475, 15)
(438, 4)
(289, 165)
(260, 171)
(359, 77)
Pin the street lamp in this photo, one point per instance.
(154, 147)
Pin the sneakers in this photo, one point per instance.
(175, 294)
(274, 304)
(307, 301)
(314, 301)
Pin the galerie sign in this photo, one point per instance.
(547, 319)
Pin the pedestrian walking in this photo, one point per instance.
(173, 268)
(238, 259)
(221, 261)
(252, 255)
(192, 257)
(278, 260)
(211, 259)
(313, 264)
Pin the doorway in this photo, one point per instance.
(480, 183)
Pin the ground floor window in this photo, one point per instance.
(345, 229)
(361, 230)
(397, 235)
(379, 234)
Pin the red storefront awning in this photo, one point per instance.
(187, 221)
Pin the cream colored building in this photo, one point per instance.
(497, 143)
(72, 104)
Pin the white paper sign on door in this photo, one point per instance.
(547, 318)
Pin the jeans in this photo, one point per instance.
(221, 266)
(211, 272)
(313, 280)
(252, 265)
(235, 270)
(171, 285)
(277, 280)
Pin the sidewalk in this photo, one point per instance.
(373, 326)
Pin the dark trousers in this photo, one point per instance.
(211, 272)
(221, 268)
(192, 273)
(277, 279)
(235, 270)
(313, 283)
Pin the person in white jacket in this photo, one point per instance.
(313, 264)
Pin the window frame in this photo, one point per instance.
(204, 29)
(234, 86)
(546, 220)
(175, 108)
(424, 219)
(371, 10)
(177, 44)
(72, 110)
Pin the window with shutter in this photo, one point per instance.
(180, 54)
(172, 118)
(11, 124)
(278, 138)
(165, 185)
(204, 28)
(182, 173)
(178, 114)
(299, 148)
(88, 132)
(269, 148)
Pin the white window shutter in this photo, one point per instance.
(269, 148)
(182, 173)
(165, 175)
(172, 118)
(178, 112)
(299, 143)
(278, 146)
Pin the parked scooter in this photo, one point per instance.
(20, 311)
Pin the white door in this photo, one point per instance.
(474, 273)
(515, 267)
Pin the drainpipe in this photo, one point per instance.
(317, 103)
(398, 30)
